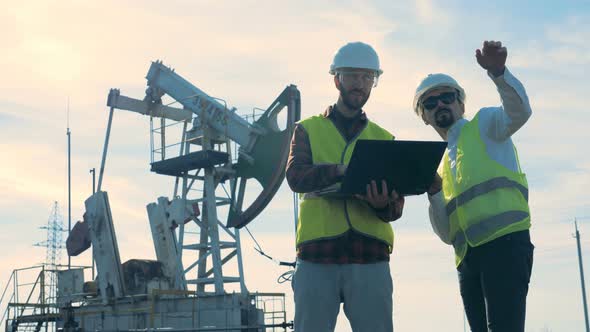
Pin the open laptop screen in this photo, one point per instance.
(406, 166)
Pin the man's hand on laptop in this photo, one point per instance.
(380, 199)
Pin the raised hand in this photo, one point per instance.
(492, 57)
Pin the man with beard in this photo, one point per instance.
(343, 245)
(481, 204)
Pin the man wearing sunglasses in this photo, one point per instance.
(480, 205)
(343, 244)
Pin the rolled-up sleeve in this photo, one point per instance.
(515, 110)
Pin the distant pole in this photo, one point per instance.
(93, 171)
(69, 184)
(577, 236)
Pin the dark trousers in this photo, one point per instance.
(494, 282)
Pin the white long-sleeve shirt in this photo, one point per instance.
(496, 126)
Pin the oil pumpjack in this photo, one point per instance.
(196, 232)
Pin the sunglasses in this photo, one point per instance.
(447, 98)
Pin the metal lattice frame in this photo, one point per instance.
(216, 130)
(54, 245)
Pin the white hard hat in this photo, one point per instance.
(433, 81)
(356, 55)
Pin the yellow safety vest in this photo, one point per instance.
(325, 218)
(484, 200)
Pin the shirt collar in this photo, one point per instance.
(456, 128)
(333, 108)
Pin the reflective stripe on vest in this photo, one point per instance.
(483, 228)
(484, 188)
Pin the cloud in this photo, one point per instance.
(428, 12)
(574, 31)
(561, 49)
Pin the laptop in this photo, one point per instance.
(406, 166)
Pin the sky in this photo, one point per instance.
(60, 53)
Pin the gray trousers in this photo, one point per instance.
(365, 289)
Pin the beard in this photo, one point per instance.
(354, 99)
(444, 118)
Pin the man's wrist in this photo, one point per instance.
(497, 72)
